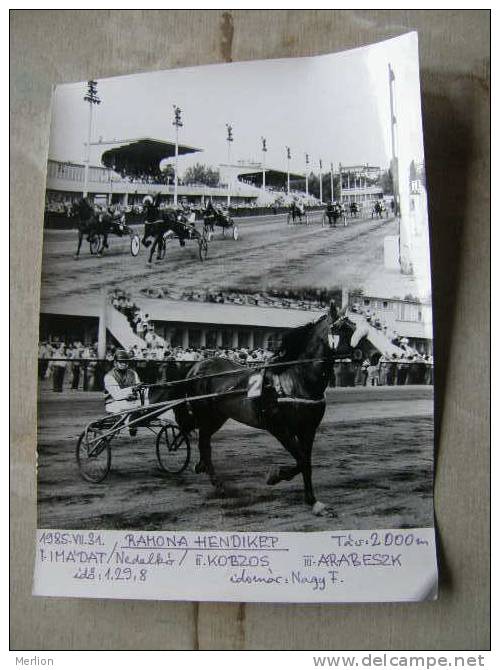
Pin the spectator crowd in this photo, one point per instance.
(77, 366)
(304, 299)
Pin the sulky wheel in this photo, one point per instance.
(236, 232)
(203, 248)
(173, 449)
(324, 220)
(93, 456)
(96, 241)
(135, 245)
(289, 218)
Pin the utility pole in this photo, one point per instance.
(264, 151)
(229, 140)
(331, 183)
(93, 99)
(320, 180)
(288, 157)
(340, 183)
(307, 174)
(401, 186)
(177, 122)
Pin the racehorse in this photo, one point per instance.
(164, 221)
(334, 212)
(284, 397)
(354, 209)
(379, 209)
(86, 221)
(297, 211)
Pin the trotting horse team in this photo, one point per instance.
(289, 401)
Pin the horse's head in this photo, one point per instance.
(343, 335)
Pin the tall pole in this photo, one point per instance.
(177, 122)
(307, 174)
(340, 183)
(288, 157)
(331, 183)
(101, 334)
(320, 180)
(229, 140)
(264, 151)
(93, 99)
(392, 79)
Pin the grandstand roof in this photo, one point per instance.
(273, 177)
(142, 155)
(179, 311)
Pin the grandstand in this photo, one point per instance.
(184, 323)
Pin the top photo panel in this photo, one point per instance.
(293, 178)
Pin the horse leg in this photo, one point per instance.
(279, 473)
(80, 239)
(159, 245)
(152, 250)
(300, 447)
(205, 463)
(306, 441)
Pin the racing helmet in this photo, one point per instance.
(122, 356)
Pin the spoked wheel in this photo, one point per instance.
(135, 245)
(306, 215)
(93, 456)
(324, 221)
(96, 242)
(236, 232)
(203, 248)
(173, 449)
(289, 218)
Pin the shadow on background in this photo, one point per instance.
(450, 117)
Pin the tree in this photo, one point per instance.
(313, 184)
(167, 173)
(387, 182)
(202, 174)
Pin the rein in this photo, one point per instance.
(244, 371)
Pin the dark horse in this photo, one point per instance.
(157, 224)
(354, 209)
(86, 221)
(285, 398)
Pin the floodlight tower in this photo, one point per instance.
(177, 122)
(307, 174)
(320, 180)
(264, 151)
(331, 183)
(229, 140)
(93, 99)
(288, 157)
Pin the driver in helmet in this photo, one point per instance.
(120, 385)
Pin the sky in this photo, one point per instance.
(334, 107)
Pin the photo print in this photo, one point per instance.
(235, 362)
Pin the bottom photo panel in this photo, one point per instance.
(300, 410)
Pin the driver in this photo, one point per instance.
(120, 386)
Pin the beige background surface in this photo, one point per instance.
(49, 47)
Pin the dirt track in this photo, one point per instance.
(372, 467)
(269, 253)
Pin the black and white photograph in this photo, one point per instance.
(236, 316)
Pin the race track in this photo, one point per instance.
(372, 467)
(269, 254)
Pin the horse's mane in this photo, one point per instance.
(295, 340)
